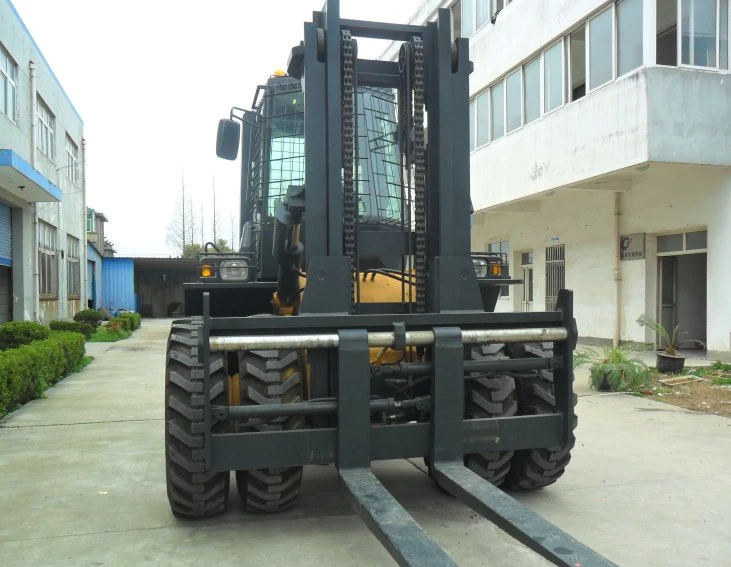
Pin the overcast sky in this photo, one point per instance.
(151, 78)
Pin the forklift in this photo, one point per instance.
(354, 324)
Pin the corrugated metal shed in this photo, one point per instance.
(118, 279)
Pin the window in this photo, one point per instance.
(46, 125)
(497, 114)
(467, 19)
(532, 90)
(553, 77)
(73, 267)
(482, 13)
(502, 247)
(577, 64)
(698, 32)
(456, 11)
(473, 104)
(47, 265)
(601, 65)
(483, 118)
(514, 101)
(667, 32)
(497, 5)
(682, 242)
(8, 82)
(90, 221)
(72, 160)
(629, 35)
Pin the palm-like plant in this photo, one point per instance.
(614, 368)
(666, 340)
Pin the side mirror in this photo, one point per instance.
(227, 139)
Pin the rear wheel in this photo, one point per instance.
(192, 491)
(532, 469)
(270, 377)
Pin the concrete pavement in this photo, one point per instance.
(82, 482)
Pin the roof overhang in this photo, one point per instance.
(18, 177)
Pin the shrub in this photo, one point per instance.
(73, 326)
(91, 316)
(125, 323)
(26, 371)
(109, 333)
(18, 333)
(135, 319)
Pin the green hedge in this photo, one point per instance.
(116, 323)
(135, 319)
(91, 316)
(26, 371)
(18, 333)
(73, 326)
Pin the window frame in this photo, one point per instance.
(562, 42)
(536, 59)
(613, 49)
(521, 122)
(72, 160)
(617, 74)
(73, 267)
(46, 129)
(10, 77)
(47, 259)
(679, 40)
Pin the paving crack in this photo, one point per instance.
(4, 426)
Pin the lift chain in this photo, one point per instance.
(417, 80)
(348, 132)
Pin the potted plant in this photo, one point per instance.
(613, 370)
(669, 359)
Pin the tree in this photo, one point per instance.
(177, 235)
(223, 246)
(192, 250)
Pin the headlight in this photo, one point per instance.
(480, 265)
(235, 270)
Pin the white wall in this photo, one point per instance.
(664, 198)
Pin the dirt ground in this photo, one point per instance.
(703, 396)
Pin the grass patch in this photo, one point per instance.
(83, 363)
(103, 335)
(723, 381)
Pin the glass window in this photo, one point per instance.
(8, 82)
(483, 119)
(667, 32)
(457, 19)
(473, 102)
(526, 258)
(497, 106)
(577, 70)
(90, 220)
(73, 267)
(467, 25)
(725, 24)
(629, 36)
(532, 89)
(72, 161)
(46, 125)
(698, 32)
(482, 13)
(600, 49)
(697, 240)
(48, 268)
(670, 243)
(514, 100)
(553, 77)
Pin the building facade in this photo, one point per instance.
(42, 193)
(600, 139)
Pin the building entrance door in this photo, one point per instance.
(526, 261)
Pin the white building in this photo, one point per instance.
(601, 157)
(42, 208)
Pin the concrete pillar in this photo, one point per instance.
(23, 262)
(719, 273)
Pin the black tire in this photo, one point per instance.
(270, 377)
(192, 492)
(533, 469)
(485, 397)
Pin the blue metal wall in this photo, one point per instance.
(6, 244)
(118, 284)
(94, 276)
